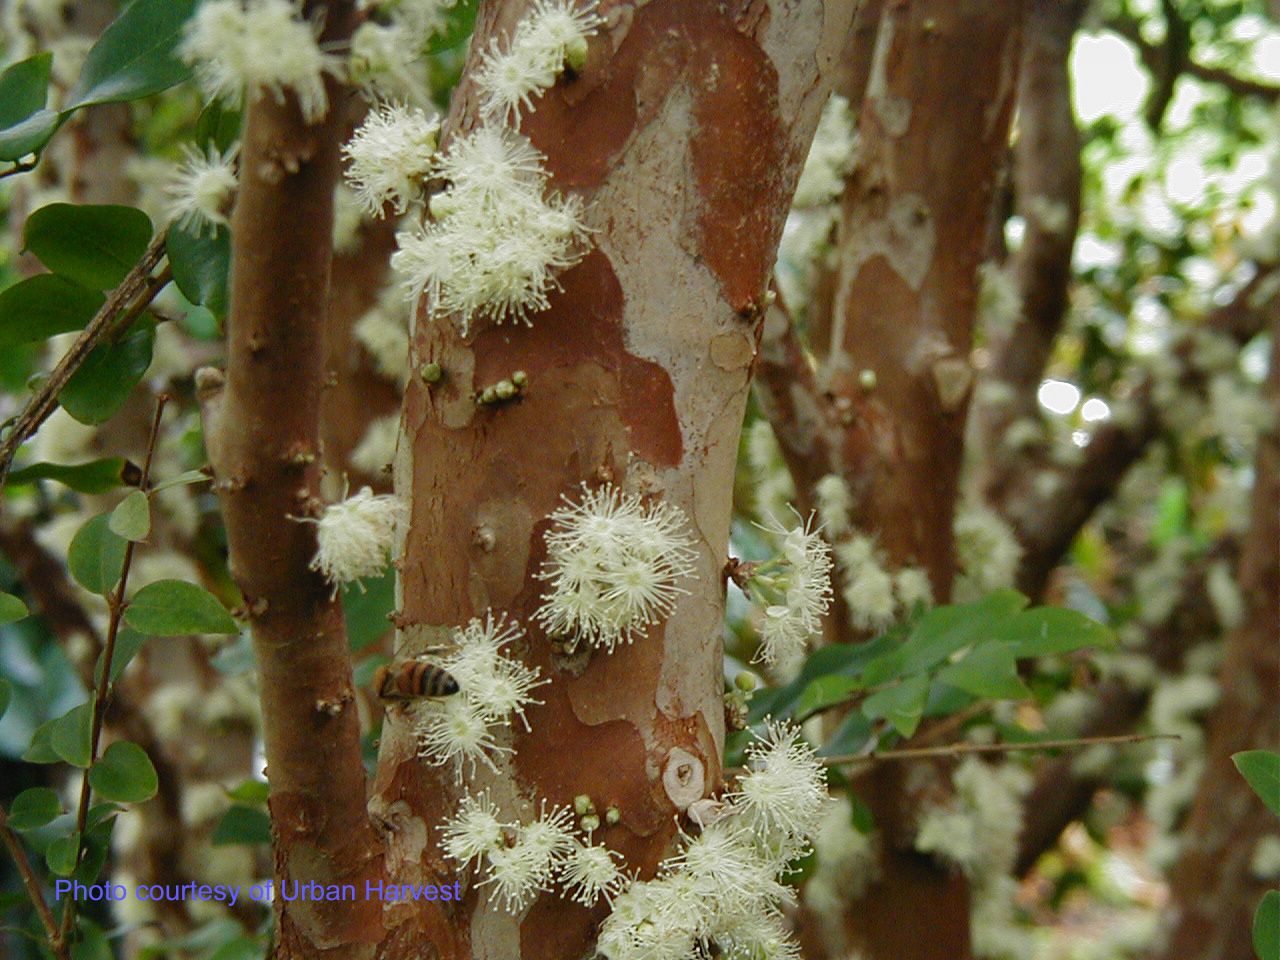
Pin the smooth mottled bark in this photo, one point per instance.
(1214, 891)
(262, 428)
(934, 125)
(684, 135)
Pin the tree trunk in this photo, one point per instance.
(684, 134)
(934, 125)
(1214, 892)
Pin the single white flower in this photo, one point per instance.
(591, 872)
(356, 535)
(987, 551)
(794, 591)
(785, 787)
(266, 46)
(473, 831)
(497, 685)
(614, 563)
(913, 587)
(390, 156)
(388, 62)
(456, 731)
(201, 188)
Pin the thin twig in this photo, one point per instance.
(17, 168)
(116, 605)
(960, 749)
(138, 285)
(28, 875)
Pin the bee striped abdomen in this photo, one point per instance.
(413, 679)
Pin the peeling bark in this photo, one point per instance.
(684, 133)
(260, 425)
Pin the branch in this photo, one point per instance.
(116, 606)
(262, 428)
(1047, 526)
(29, 880)
(136, 290)
(963, 749)
(1153, 56)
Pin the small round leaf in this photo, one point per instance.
(34, 808)
(171, 608)
(131, 518)
(124, 773)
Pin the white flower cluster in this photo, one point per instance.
(383, 331)
(614, 563)
(999, 302)
(793, 591)
(987, 552)
(552, 37)
(773, 484)
(835, 505)
(200, 189)
(724, 886)
(832, 155)
(377, 448)
(497, 241)
(874, 595)
(355, 536)
(390, 157)
(521, 860)
(498, 237)
(848, 860)
(388, 54)
(492, 689)
(978, 829)
(256, 47)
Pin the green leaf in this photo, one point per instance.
(96, 476)
(218, 126)
(12, 609)
(366, 613)
(902, 705)
(242, 825)
(251, 792)
(128, 643)
(24, 86)
(171, 608)
(41, 749)
(864, 820)
(6, 694)
(988, 670)
(71, 735)
(108, 375)
(61, 855)
(824, 692)
(1262, 769)
(1266, 927)
(1047, 630)
(96, 556)
(241, 948)
(201, 265)
(124, 774)
(460, 20)
(135, 56)
(94, 246)
(183, 479)
(941, 632)
(44, 305)
(34, 808)
(30, 135)
(131, 518)
(92, 944)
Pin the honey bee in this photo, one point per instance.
(412, 680)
